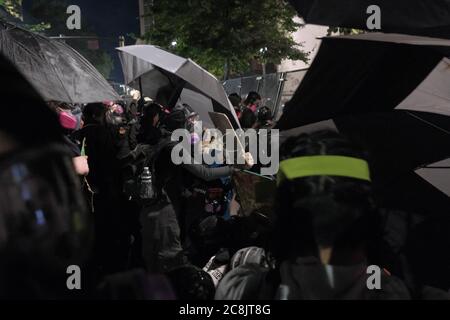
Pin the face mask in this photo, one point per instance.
(67, 120)
(117, 109)
(113, 118)
(253, 107)
(192, 123)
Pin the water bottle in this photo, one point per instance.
(146, 190)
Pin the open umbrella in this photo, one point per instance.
(169, 79)
(56, 70)
(372, 72)
(406, 177)
(420, 17)
(25, 117)
(388, 92)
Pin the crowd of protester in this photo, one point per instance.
(183, 235)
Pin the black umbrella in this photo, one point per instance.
(371, 73)
(404, 147)
(56, 70)
(390, 93)
(420, 17)
(25, 116)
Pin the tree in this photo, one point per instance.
(225, 35)
(343, 31)
(12, 7)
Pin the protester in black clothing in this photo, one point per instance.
(236, 101)
(174, 183)
(253, 100)
(264, 118)
(44, 225)
(149, 132)
(326, 229)
(115, 221)
(191, 283)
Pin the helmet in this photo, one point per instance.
(181, 117)
(187, 111)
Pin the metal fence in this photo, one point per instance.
(275, 88)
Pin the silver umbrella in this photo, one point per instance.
(165, 77)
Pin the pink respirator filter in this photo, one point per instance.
(68, 121)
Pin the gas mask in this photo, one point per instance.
(115, 115)
(193, 125)
(68, 120)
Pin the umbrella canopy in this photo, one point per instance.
(164, 77)
(401, 144)
(388, 92)
(56, 70)
(438, 174)
(419, 17)
(372, 73)
(27, 118)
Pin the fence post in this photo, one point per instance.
(259, 79)
(281, 81)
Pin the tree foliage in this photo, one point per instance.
(343, 31)
(216, 33)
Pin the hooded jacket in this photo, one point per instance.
(307, 279)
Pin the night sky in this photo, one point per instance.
(109, 18)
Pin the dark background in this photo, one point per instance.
(105, 18)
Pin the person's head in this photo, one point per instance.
(141, 103)
(43, 220)
(324, 204)
(235, 100)
(253, 98)
(151, 114)
(68, 121)
(192, 283)
(115, 114)
(181, 117)
(264, 115)
(149, 132)
(94, 113)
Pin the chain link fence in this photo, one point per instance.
(275, 89)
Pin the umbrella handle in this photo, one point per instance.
(83, 147)
(140, 87)
(176, 95)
